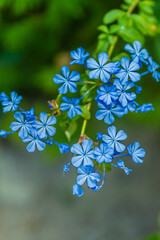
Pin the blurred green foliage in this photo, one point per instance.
(36, 37)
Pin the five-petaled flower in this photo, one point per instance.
(21, 124)
(101, 68)
(107, 94)
(136, 152)
(103, 153)
(124, 96)
(34, 141)
(79, 56)
(84, 154)
(68, 80)
(137, 53)
(87, 173)
(128, 71)
(45, 125)
(107, 112)
(10, 104)
(113, 138)
(71, 105)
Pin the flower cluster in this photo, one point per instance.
(113, 86)
(89, 157)
(36, 131)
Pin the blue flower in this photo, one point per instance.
(100, 68)
(64, 148)
(107, 94)
(30, 115)
(34, 142)
(152, 67)
(113, 138)
(139, 89)
(107, 112)
(87, 173)
(131, 107)
(66, 168)
(4, 97)
(103, 153)
(128, 71)
(136, 152)
(22, 125)
(3, 134)
(68, 80)
(45, 125)
(99, 136)
(138, 54)
(10, 104)
(120, 164)
(77, 190)
(84, 153)
(71, 105)
(145, 108)
(79, 56)
(124, 96)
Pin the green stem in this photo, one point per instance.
(85, 121)
(110, 51)
(87, 82)
(132, 7)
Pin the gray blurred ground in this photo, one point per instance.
(36, 201)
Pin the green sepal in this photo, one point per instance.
(103, 28)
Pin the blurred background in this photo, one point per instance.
(36, 201)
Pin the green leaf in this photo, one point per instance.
(147, 7)
(119, 56)
(102, 46)
(130, 35)
(85, 112)
(124, 6)
(140, 23)
(113, 15)
(129, 2)
(71, 129)
(111, 39)
(103, 36)
(103, 28)
(90, 96)
(123, 21)
(114, 28)
(84, 89)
